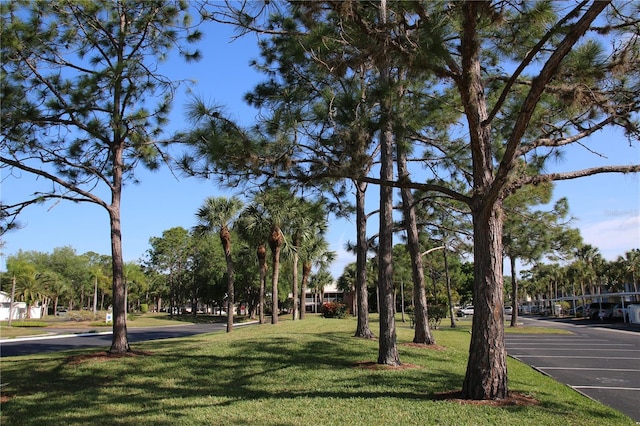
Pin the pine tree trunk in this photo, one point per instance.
(486, 376)
(422, 333)
(119, 342)
(362, 292)
(387, 345)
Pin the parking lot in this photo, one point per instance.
(596, 360)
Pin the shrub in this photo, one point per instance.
(436, 314)
(334, 310)
(144, 308)
(28, 323)
(81, 315)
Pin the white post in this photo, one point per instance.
(13, 295)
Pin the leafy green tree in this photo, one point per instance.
(136, 284)
(218, 215)
(247, 281)
(74, 269)
(172, 255)
(206, 274)
(79, 81)
(99, 269)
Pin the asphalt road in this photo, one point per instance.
(599, 360)
(65, 340)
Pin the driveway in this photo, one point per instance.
(61, 339)
(599, 360)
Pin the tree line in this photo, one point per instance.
(455, 107)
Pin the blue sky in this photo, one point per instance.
(606, 207)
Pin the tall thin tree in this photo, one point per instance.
(79, 80)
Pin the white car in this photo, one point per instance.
(467, 310)
(508, 309)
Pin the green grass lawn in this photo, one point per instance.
(310, 372)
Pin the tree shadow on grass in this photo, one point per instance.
(84, 388)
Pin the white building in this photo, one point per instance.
(330, 293)
(19, 309)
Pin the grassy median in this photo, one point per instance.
(310, 372)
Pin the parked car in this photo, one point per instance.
(578, 311)
(620, 313)
(467, 310)
(508, 309)
(599, 310)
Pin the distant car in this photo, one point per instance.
(524, 309)
(578, 311)
(620, 313)
(508, 310)
(467, 310)
(599, 310)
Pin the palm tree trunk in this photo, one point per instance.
(306, 272)
(275, 242)
(262, 262)
(296, 299)
(225, 239)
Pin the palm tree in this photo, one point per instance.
(319, 281)
(589, 257)
(308, 228)
(632, 266)
(216, 215)
(254, 228)
(278, 207)
(314, 252)
(27, 287)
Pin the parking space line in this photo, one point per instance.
(562, 348)
(574, 357)
(535, 345)
(630, 370)
(605, 387)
